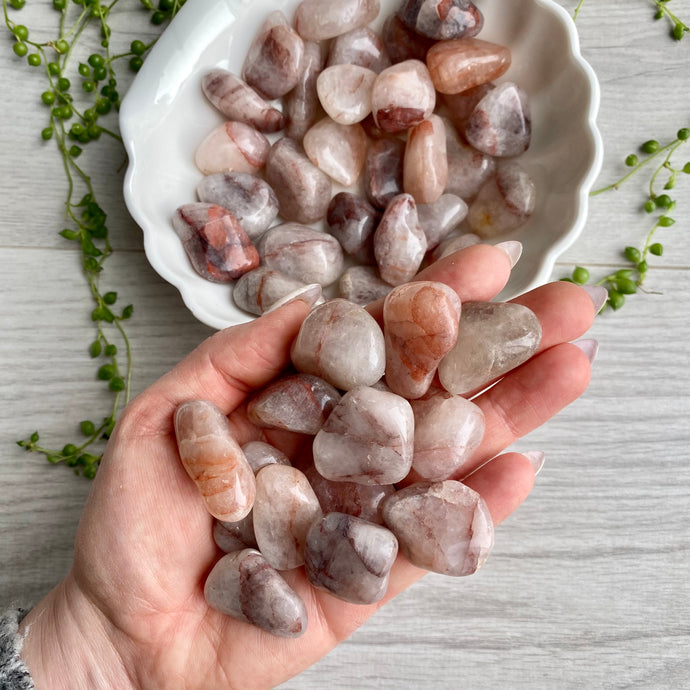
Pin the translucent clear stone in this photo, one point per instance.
(248, 197)
(350, 558)
(440, 218)
(420, 324)
(317, 20)
(367, 439)
(444, 527)
(260, 454)
(273, 61)
(299, 403)
(318, 348)
(303, 190)
(284, 510)
(352, 220)
(505, 202)
(399, 242)
(257, 290)
(383, 171)
(305, 254)
(244, 586)
(336, 149)
(301, 105)
(494, 338)
(216, 244)
(232, 147)
(455, 244)
(227, 541)
(425, 168)
(448, 429)
(442, 19)
(361, 47)
(226, 533)
(345, 92)
(402, 96)
(362, 285)
(236, 100)
(214, 460)
(463, 63)
(309, 294)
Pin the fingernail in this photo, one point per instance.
(513, 249)
(598, 295)
(311, 295)
(589, 346)
(536, 457)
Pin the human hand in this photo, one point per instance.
(132, 614)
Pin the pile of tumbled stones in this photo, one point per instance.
(350, 157)
(392, 432)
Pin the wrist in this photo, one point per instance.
(69, 645)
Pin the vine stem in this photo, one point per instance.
(577, 9)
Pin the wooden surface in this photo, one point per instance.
(588, 585)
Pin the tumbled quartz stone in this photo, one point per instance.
(362, 285)
(273, 61)
(463, 63)
(455, 244)
(311, 295)
(301, 105)
(336, 149)
(505, 202)
(345, 92)
(217, 246)
(425, 168)
(361, 47)
(352, 220)
(232, 147)
(342, 343)
(402, 43)
(284, 510)
(303, 190)
(420, 325)
(257, 290)
(350, 558)
(367, 439)
(299, 403)
(305, 254)
(441, 19)
(500, 124)
(248, 197)
(440, 218)
(403, 95)
(361, 500)
(214, 460)
(242, 531)
(447, 430)
(236, 100)
(259, 454)
(243, 585)
(383, 171)
(399, 241)
(494, 337)
(316, 20)
(460, 106)
(468, 169)
(445, 527)
(225, 540)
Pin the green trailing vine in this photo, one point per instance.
(76, 117)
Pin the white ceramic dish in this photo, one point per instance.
(165, 116)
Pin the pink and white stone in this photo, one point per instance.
(399, 241)
(259, 454)
(447, 430)
(352, 220)
(273, 61)
(367, 439)
(345, 92)
(300, 403)
(362, 47)
(500, 124)
(303, 190)
(455, 244)
(440, 218)
(461, 105)
(244, 586)
(236, 100)
(305, 254)
(232, 147)
(494, 338)
(284, 510)
(420, 325)
(362, 285)
(403, 95)
(445, 527)
(504, 203)
(258, 290)
(425, 167)
(463, 63)
(316, 20)
(336, 149)
(301, 105)
(318, 348)
(350, 558)
(214, 460)
(383, 171)
(441, 20)
(216, 244)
